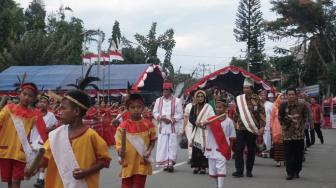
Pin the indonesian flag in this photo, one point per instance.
(116, 55)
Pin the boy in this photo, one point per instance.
(51, 123)
(136, 148)
(74, 153)
(220, 133)
(17, 121)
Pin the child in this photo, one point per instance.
(220, 132)
(140, 140)
(17, 121)
(51, 123)
(74, 153)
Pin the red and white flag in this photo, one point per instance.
(116, 55)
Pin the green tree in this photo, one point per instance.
(72, 31)
(151, 43)
(35, 16)
(312, 24)
(249, 29)
(239, 63)
(11, 23)
(115, 37)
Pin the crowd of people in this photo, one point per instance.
(70, 139)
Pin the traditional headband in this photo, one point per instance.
(28, 86)
(45, 97)
(76, 102)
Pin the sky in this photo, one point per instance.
(203, 28)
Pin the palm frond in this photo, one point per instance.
(86, 81)
(88, 71)
(94, 86)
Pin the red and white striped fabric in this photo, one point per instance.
(90, 59)
(116, 55)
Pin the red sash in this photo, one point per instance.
(41, 126)
(218, 133)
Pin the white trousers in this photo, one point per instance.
(267, 139)
(217, 167)
(166, 149)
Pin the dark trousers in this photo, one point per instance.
(293, 156)
(248, 139)
(308, 142)
(317, 129)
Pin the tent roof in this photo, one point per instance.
(52, 76)
(231, 79)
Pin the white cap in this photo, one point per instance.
(248, 82)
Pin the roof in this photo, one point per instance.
(231, 79)
(52, 76)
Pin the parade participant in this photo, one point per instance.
(200, 112)
(187, 126)
(17, 121)
(168, 112)
(250, 124)
(123, 113)
(309, 121)
(267, 131)
(140, 139)
(51, 123)
(317, 115)
(216, 95)
(271, 97)
(74, 153)
(221, 132)
(276, 132)
(293, 116)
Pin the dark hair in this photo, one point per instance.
(134, 97)
(291, 89)
(81, 97)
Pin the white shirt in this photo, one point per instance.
(268, 110)
(50, 119)
(211, 145)
(166, 111)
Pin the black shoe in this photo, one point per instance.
(171, 169)
(297, 175)
(237, 174)
(39, 183)
(195, 171)
(165, 168)
(289, 177)
(202, 171)
(322, 141)
(249, 174)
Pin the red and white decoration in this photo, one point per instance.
(141, 81)
(90, 59)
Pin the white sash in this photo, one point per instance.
(64, 157)
(19, 126)
(199, 135)
(139, 144)
(245, 114)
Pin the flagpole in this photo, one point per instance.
(98, 66)
(109, 82)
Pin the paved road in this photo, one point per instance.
(319, 171)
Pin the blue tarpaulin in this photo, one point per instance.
(53, 76)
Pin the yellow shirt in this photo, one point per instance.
(133, 163)
(10, 145)
(88, 149)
